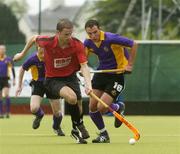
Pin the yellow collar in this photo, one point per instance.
(102, 36)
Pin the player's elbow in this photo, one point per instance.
(34, 38)
(135, 45)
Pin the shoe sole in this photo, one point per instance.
(36, 127)
(61, 135)
(102, 142)
(85, 137)
(79, 141)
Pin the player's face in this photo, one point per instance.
(65, 34)
(93, 33)
(2, 49)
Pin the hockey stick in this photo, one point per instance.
(107, 71)
(118, 116)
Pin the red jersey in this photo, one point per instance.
(61, 62)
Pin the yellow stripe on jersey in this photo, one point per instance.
(101, 38)
(119, 56)
(34, 72)
(9, 69)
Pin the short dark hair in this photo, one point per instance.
(90, 23)
(64, 23)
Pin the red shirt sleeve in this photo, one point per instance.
(42, 41)
(81, 53)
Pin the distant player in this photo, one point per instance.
(110, 50)
(6, 64)
(35, 63)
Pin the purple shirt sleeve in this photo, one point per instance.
(28, 63)
(117, 39)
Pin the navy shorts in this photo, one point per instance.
(4, 82)
(37, 88)
(113, 84)
(54, 85)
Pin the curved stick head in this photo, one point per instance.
(137, 137)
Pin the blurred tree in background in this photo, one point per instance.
(9, 30)
(18, 7)
(140, 19)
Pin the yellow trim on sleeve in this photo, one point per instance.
(119, 56)
(34, 72)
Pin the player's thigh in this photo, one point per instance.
(68, 94)
(60, 87)
(6, 91)
(73, 83)
(5, 87)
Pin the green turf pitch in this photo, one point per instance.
(159, 135)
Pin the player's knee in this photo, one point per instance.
(34, 109)
(72, 99)
(6, 95)
(79, 101)
(102, 109)
(92, 107)
(56, 113)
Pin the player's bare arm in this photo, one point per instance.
(14, 76)
(87, 77)
(132, 57)
(28, 45)
(20, 80)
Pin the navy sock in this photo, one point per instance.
(114, 106)
(75, 114)
(57, 121)
(81, 122)
(39, 113)
(98, 120)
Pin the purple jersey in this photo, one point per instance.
(5, 64)
(111, 50)
(36, 66)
